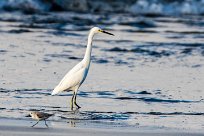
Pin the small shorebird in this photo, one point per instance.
(76, 76)
(39, 116)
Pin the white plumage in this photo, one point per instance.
(76, 76)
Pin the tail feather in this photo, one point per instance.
(55, 91)
(59, 89)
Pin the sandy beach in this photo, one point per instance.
(22, 128)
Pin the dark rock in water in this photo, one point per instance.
(3, 51)
(83, 94)
(74, 58)
(187, 51)
(196, 66)
(135, 92)
(32, 25)
(144, 92)
(174, 113)
(82, 21)
(185, 32)
(105, 93)
(121, 62)
(148, 99)
(58, 55)
(2, 90)
(143, 51)
(140, 24)
(62, 56)
(202, 52)
(191, 44)
(63, 33)
(116, 49)
(140, 31)
(20, 31)
(46, 60)
(102, 61)
(159, 54)
(158, 92)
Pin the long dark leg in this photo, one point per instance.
(46, 123)
(75, 101)
(34, 124)
(72, 101)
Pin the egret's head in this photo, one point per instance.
(99, 30)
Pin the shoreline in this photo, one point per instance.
(14, 127)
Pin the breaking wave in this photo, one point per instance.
(137, 7)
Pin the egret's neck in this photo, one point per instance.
(87, 56)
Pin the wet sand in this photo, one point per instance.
(9, 127)
(148, 77)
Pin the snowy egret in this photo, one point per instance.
(76, 76)
(39, 116)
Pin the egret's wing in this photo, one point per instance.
(71, 79)
(76, 68)
(69, 82)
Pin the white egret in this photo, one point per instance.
(76, 76)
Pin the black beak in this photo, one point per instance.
(28, 115)
(107, 32)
